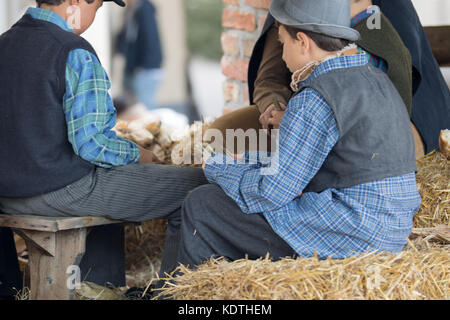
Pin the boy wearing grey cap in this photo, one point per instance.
(345, 179)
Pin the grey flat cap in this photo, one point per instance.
(327, 17)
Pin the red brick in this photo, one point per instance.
(235, 68)
(235, 19)
(248, 16)
(230, 44)
(260, 4)
(247, 47)
(231, 91)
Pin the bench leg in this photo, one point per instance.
(50, 254)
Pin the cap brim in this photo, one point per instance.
(118, 2)
(277, 11)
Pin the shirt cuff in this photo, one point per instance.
(136, 153)
(216, 165)
(221, 166)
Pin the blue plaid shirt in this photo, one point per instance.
(335, 223)
(87, 105)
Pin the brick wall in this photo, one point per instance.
(242, 21)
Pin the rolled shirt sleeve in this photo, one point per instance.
(90, 114)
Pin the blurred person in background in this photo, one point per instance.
(139, 42)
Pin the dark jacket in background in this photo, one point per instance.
(431, 100)
(141, 46)
(257, 55)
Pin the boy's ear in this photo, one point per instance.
(304, 41)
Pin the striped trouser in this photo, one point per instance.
(133, 193)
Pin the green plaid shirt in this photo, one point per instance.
(88, 107)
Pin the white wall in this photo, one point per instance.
(433, 12)
(11, 11)
(3, 16)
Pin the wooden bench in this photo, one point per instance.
(53, 245)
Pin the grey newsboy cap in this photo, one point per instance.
(327, 17)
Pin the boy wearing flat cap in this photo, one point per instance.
(59, 154)
(344, 178)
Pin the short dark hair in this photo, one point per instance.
(324, 42)
(55, 2)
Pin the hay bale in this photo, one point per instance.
(411, 274)
(433, 182)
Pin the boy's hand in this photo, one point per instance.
(148, 156)
(264, 118)
(276, 117)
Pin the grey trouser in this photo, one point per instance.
(132, 193)
(213, 225)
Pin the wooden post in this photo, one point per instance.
(50, 254)
(53, 245)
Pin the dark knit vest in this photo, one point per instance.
(36, 156)
(375, 137)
